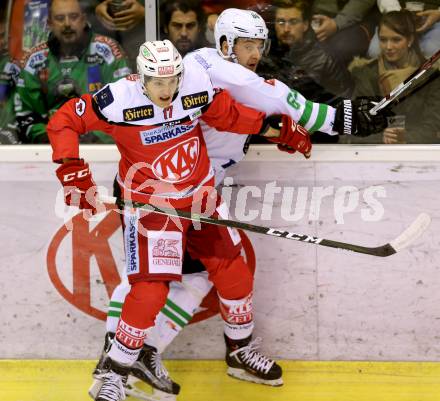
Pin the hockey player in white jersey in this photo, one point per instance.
(153, 118)
(241, 39)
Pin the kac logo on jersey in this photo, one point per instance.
(195, 100)
(138, 113)
(164, 133)
(177, 163)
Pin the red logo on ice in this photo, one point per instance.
(76, 249)
(179, 162)
(70, 263)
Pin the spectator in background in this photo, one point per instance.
(345, 27)
(8, 75)
(183, 23)
(400, 56)
(73, 61)
(120, 17)
(298, 59)
(428, 25)
(123, 20)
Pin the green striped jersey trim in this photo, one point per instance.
(317, 122)
(178, 309)
(171, 310)
(173, 317)
(114, 313)
(115, 304)
(320, 118)
(306, 114)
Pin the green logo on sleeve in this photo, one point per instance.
(291, 99)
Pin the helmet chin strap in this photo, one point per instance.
(234, 58)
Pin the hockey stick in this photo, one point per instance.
(419, 225)
(410, 81)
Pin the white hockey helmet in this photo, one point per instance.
(234, 23)
(158, 59)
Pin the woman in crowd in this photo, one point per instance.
(399, 57)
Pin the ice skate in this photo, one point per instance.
(112, 388)
(101, 367)
(149, 369)
(246, 363)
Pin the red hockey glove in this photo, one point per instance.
(79, 187)
(293, 137)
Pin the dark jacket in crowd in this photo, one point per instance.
(345, 12)
(309, 69)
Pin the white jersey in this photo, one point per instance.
(271, 97)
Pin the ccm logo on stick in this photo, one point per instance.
(296, 237)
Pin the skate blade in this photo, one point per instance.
(132, 390)
(243, 375)
(94, 388)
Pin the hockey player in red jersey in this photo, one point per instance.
(246, 36)
(153, 119)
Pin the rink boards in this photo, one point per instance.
(311, 303)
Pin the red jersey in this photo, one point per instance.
(163, 153)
